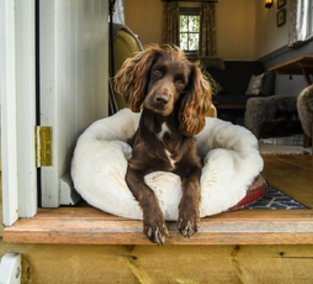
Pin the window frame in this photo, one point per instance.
(190, 11)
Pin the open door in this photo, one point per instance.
(73, 55)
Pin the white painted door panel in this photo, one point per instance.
(73, 79)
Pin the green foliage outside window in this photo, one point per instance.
(189, 32)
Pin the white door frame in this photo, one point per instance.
(18, 104)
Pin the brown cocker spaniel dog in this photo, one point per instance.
(175, 98)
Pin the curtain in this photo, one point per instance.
(207, 44)
(298, 15)
(170, 33)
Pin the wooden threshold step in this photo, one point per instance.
(91, 226)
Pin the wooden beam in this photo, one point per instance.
(51, 264)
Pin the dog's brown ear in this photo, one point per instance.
(132, 79)
(195, 103)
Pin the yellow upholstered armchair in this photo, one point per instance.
(212, 112)
(126, 44)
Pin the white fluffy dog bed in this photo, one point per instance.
(99, 165)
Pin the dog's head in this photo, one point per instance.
(163, 79)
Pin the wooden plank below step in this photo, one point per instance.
(91, 226)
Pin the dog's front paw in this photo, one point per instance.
(188, 221)
(155, 228)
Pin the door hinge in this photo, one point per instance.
(43, 146)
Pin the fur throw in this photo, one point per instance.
(99, 165)
(264, 109)
(305, 110)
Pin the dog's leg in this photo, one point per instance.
(153, 221)
(189, 215)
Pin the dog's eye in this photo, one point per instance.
(180, 84)
(157, 73)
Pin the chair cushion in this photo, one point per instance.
(255, 84)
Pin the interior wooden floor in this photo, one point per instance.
(291, 174)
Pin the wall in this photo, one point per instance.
(144, 18)
(269, 37)
(235, 22)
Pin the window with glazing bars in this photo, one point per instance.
(189, 29)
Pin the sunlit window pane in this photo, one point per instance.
(194, 23)
(183, 23)
(193, 41)
(183, 41)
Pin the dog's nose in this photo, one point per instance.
(161, 98)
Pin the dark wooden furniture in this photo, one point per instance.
(299, 66)
(219, 105)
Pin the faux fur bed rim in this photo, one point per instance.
(99, 165)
